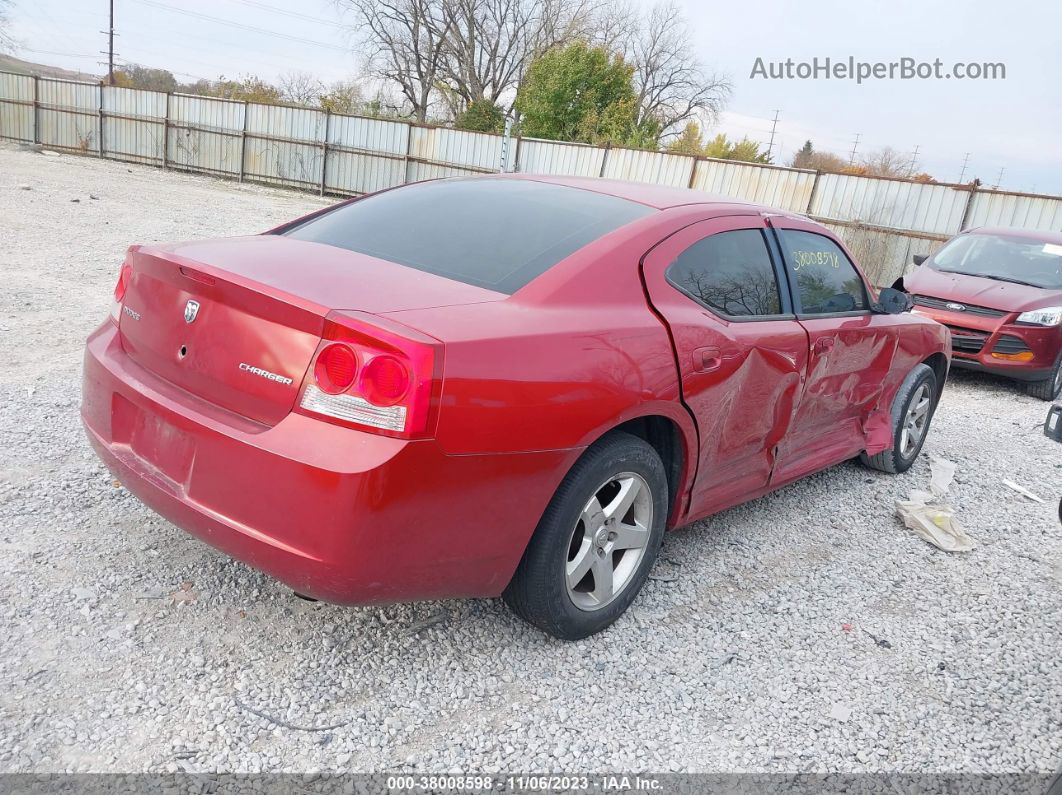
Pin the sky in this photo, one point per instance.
(1013, 124)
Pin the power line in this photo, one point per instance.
(240, 25)
(286, 12)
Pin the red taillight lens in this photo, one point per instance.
(123, 283)
(384, 381)
(336, 367)
(374, 374)
(124, 275)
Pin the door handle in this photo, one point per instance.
(824, 344)
(707, 359)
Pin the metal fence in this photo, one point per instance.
(884, 221)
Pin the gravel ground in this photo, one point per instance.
(806, 631)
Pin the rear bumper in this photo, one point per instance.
(975, 339)
(335, 513)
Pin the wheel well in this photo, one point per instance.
(939, 364)
(664, 436)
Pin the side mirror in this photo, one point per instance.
(892, 302)
(918, 259)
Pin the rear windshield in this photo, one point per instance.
(493, 233)
(1003, 258)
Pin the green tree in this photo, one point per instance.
(136, 76)
(580, 93)
(804, 156)
(689, 142)
(723, 149)
(247, 89)
(481, 116)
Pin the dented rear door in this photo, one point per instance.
(740, 351)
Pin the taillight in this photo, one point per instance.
(335, 368)
(374, 374)
(119, 291)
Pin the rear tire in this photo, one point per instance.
(596, 542)
(1050, 388)
(912, 412)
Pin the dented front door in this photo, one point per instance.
(741, 370)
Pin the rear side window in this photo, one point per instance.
(493, 233)
(825, 279)
(730, 273)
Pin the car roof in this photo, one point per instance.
(659, 196)
(1040, 235)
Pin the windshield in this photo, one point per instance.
(493, 233)
(1008, 259)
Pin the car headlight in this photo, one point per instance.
(1048, 316)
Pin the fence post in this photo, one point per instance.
(968, 207)
(604, 159)
(99, 142)
(243, 141)
(516, 155)
(409, 149)
(324, 150)
(693, 172)
(814, 190)
(36, 109)
(166, 132)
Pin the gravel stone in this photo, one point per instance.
(736, 664)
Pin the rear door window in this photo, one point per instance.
(493, 233)
(730, 273)
(826, 281)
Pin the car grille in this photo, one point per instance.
(940, 303)
(1010, 345)
(967, 340)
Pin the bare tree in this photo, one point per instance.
(491, 42)
(888, 162)
(7, 41)
(301, 88)
(673, 86)
(406, 43)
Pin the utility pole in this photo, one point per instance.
(914, 160)
(110, 47)
(855, 143)
(774, 126)
(962, 173)
(999, 179)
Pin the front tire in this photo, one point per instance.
(596, 542)
(1050, 388)
(912, 412)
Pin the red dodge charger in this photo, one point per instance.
(504, 385)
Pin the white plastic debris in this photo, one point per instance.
(1010, 484)
(928, 516)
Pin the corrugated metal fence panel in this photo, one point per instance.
(787, 189)
(920, 207)
(884, 256)
(1009, 209)
(467, 152)
(349, 172)
(658, 168)
(140, 132)
(14, 86)
(205, 134)
(267, 158)
(549, 157)
(375, 135)
(16, 120)
(69, 115)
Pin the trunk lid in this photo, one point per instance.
(236, 322)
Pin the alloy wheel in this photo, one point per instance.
(916, 420)
(608, 541)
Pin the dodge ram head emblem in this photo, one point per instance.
(956, 307)
(191, 309)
